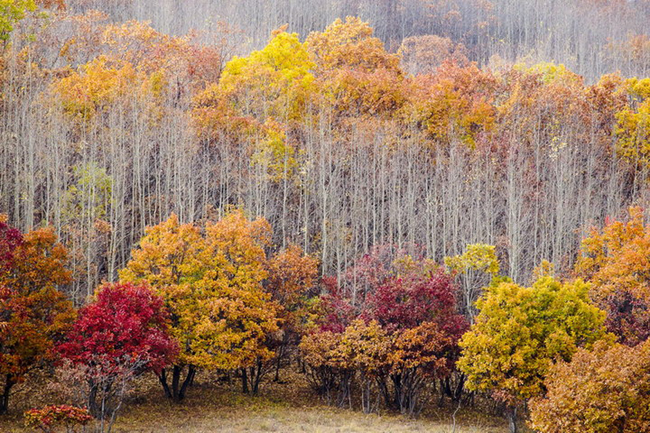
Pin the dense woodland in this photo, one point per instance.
(400, 197)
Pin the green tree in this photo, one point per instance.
(11, 12)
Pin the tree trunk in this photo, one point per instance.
(92, 401)
(178, 388)
(244, 381)
(163, 381)
(278, 360)
(512, 419)
(191, 371)
(4, 397)
(256, 377)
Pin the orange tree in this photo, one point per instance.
(616, 261)
(291, 275)
(33, 312)
(354, 73)
(599, 391)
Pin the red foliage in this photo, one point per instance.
(125, 322)
(405, 303)
(397, 290)
(336, 312)
(10, 240)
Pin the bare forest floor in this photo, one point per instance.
(215, 406)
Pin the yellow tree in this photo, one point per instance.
(475, 268)
(633, 128)
(247, 314)
(272, 82)
(256, 100)
(171, 257)
(520, 332)
(212, 281)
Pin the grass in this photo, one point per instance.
(287, 408)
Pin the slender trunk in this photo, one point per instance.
(278, 361)
(383, 390)
(163, 381)
(92, 401)
(512, 419)
(176, 377)
(191, 371)
(277, 369)
(244, 381)
(397, 390)
(257, 377)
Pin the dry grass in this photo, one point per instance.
(285, 408)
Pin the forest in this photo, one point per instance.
(408, 211)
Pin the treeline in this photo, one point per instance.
(397, 331)
(108, 128)
(591, 37)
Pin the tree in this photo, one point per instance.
(520, 332)
(123, 333)
(272, 82)
(354, 72)
(476, 268)
(420, 314)
(349, 43)
(33, 312)
(11, 12)
(291, 275)
(615, 260)
(171, 259)
(603, 390)
(393, 322)
(633, 128)
(213, 285)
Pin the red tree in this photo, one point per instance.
(413, 301)
(122, 334)
(420, 311)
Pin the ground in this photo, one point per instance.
(281, 407)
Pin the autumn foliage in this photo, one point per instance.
(363, 205)
(125, 331)
(34, 314)
(603, 390)
(615, 261)
(214, 286)
(48, 418)
(401, 333)
(521, 332)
